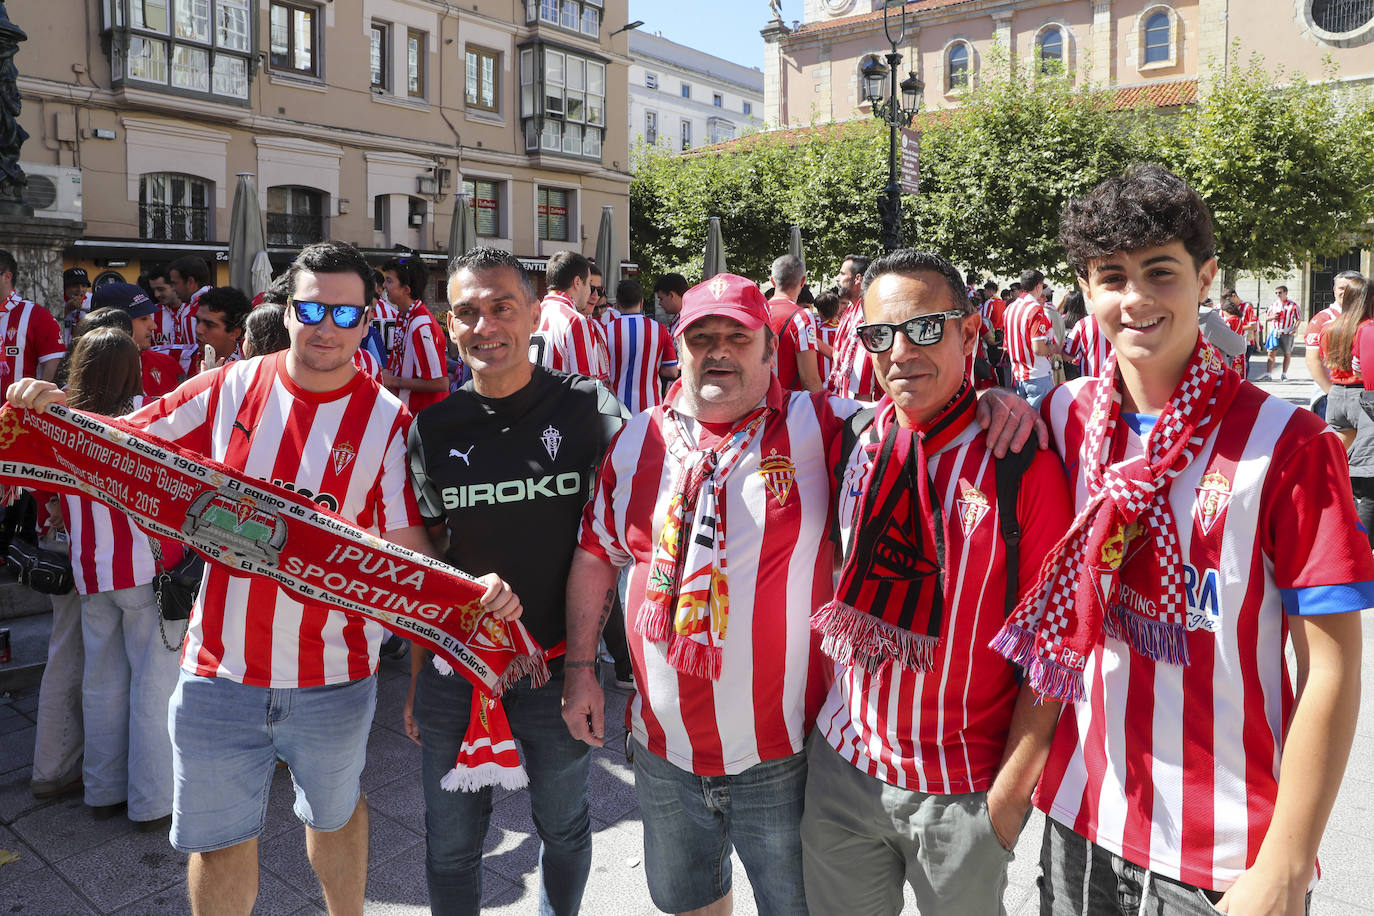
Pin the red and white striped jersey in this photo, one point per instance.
(1175, 768)
(108, 551)
(1240, 364)
(825, 333)
(1027, 322)
(177, 328)
(162, 372)
(638, 347)
(31, 337)
(368, 363)
(944, 731)
(1282, 316)
(346, 449)
(191, 358)
(994, 314)
(775, 507)
(795, 329)
(851, 375)
(1312, 337)
(568, 340)
(417, 351)
(1088, 346)
(1338, 376)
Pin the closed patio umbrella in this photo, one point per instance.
(715, 251)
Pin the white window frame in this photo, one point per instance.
(951, 88)
(562, 101)
(651, 127)
(207, 54)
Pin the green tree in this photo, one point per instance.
(1286, 167)
(997, 171)
(823, 179)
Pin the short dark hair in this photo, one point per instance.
(671, 283)
(411, 271)
(278, 292)
(1031, 278)
(193, 267)
(991, 284)
(230, 302)
(910, 261)
(1280, 289)
(332, 258)
(8, 263)
(484, 258)
(1147, 206)
(157, 270)
(564, 268)
(861, 262)
(828, 304)
(629, 292)
(265, 329)
(1230, 291)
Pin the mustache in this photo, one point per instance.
(727, 365)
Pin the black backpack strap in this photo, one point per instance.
(853, 427)
(1009, 472)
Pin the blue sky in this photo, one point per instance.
(725, 28)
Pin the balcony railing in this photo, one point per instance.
(174, 223)
(294, 228)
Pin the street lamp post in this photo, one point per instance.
(896, 111)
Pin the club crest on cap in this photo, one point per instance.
(718, 285)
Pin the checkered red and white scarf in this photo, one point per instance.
(1074, 600)
(687, 600)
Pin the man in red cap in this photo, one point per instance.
(729, 465)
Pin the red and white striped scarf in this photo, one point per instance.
(1074, 601)
(688, 578)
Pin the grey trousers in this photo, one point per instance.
(862, 838)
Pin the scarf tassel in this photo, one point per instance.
(1016, 644)
(475, 778)
(1053, 681)
(652, 622)
(535, 665)
(1153, 639)
(853, 637)
(695, 658)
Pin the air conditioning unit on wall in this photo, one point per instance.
(53, 190)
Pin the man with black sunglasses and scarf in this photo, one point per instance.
(926, 749)
(264, 675)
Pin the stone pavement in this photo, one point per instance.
(70, 864)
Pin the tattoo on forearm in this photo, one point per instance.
(606, 610)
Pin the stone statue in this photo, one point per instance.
(774, 5)
(12, 136)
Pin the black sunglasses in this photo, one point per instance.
(345, 317)
(923, 331)
(598, 290)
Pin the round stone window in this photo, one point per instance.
(1341, 19)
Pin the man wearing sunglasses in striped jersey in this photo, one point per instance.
(264, 675)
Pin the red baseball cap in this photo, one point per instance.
(724, 296)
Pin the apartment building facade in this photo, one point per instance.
(681, 98)
(360, 121)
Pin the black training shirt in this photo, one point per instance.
(510, 477)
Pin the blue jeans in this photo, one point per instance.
(691, 821)
(1035, 389)
(456, 822)
(228, 737)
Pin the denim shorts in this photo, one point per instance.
(226, 738)
(691, 823)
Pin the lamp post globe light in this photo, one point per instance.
(896, 107)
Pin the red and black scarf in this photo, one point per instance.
(889, 605)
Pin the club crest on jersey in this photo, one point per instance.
(343, 455)
(1213, 495)
(718, 285)
(778, 473)
(552, 439)
(973, 506)
(12, 335)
